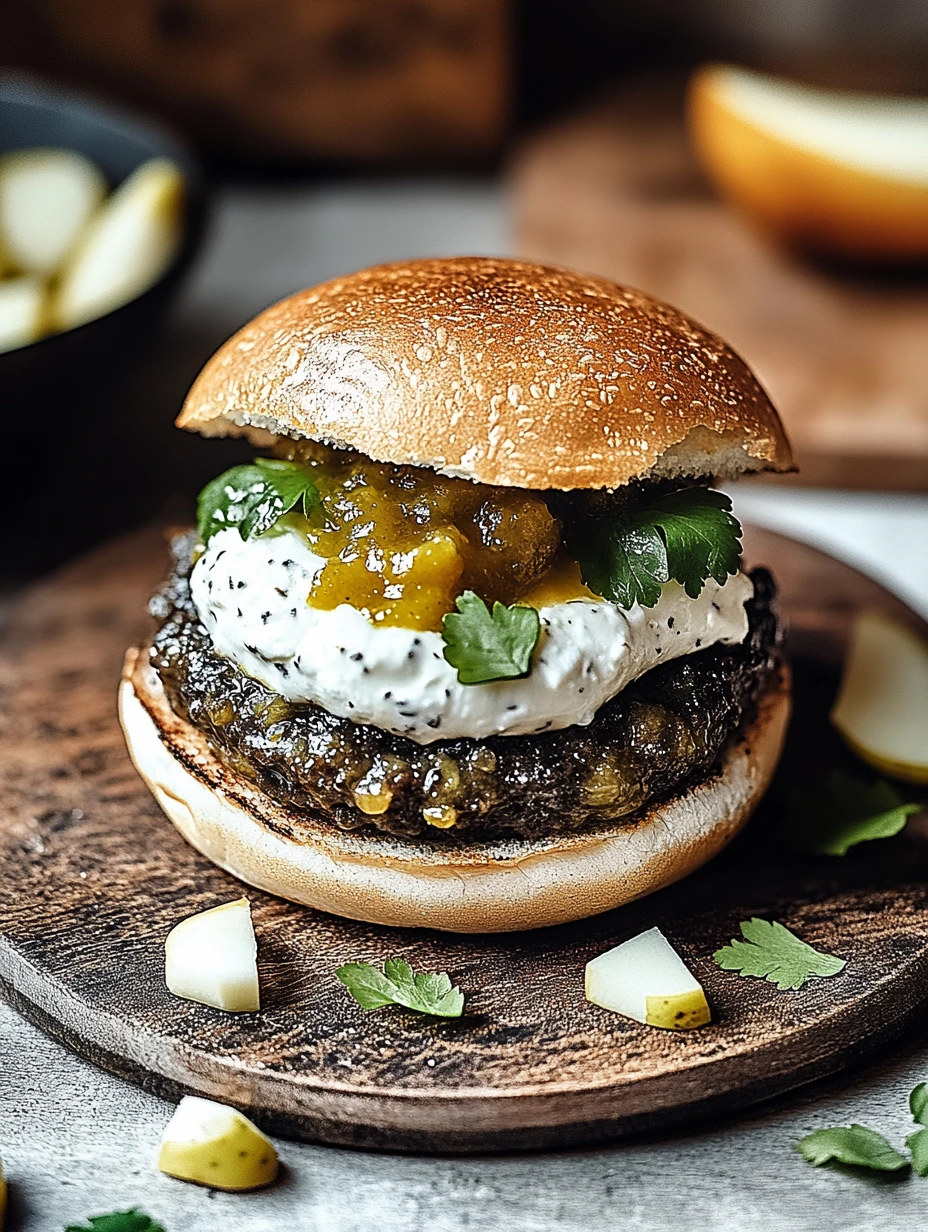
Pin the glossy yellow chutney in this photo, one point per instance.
(401, 543)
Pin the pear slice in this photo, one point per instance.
(212, 958)
(833, 171)
(882, 705)
(22, 303)
(212, 1144)
(645, 978)
(126, 248)
(47, 198)
(2, 1196)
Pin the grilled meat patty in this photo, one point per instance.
(659, 735)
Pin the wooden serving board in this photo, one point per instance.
(93, 877)
(615, 190)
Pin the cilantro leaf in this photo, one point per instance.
(851, 1144)
(489, 646)
(917, 1142)
(918, 1145)
(396, 984)
(369, 986)
(688, 535)
(832, 818)
(771, 952)
(253, 497)
(120, 1221)
(918, 1103)
(703, 538)
(625, 565)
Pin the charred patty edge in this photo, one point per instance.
(660, 736)
(187, 745)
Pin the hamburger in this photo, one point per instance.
(468, 646)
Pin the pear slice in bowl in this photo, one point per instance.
(22, 309)
(131, 241)
(47, 198)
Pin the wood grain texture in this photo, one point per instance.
(615, 191)
(94, 878)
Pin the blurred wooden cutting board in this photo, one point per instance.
(615, 191)
(351, 81)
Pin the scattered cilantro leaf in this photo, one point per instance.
(831, 818)
(771, 952)
(120, 1221)
(918, 1103)
(918, 1145)
(918, 1141)
(688, 535)
(489, 646)
(253, 497)
(396, 984)
(851, 1144)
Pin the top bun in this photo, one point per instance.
(499, 371)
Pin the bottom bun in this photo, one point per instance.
(480, 887)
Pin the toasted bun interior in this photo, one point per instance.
(480, 887)
(499, 371)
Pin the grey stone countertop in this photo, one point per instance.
(76, 1142)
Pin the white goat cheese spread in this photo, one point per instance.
(252, 598)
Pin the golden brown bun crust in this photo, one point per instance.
(478, 887)
(500, 371)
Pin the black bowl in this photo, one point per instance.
(49, 377)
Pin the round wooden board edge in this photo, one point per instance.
(579, 1118)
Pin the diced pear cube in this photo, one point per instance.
(212, 1144)
(212, 958)
(645, 979)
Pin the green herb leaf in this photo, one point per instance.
(484, 646)
(832, 818)
(396, 984)
(918, 1145)
(918, 1103)
(853, 1144)
(121, 1221)
(253, 497)
(626, 564)
(688, 535)
(771, 952)
(918, 1142)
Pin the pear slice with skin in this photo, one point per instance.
(47, 198)
(212, 958)
(882, 706)
(128, 246)
(22, 306)
(211, 1144)
(645, 979)
(834, 172)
